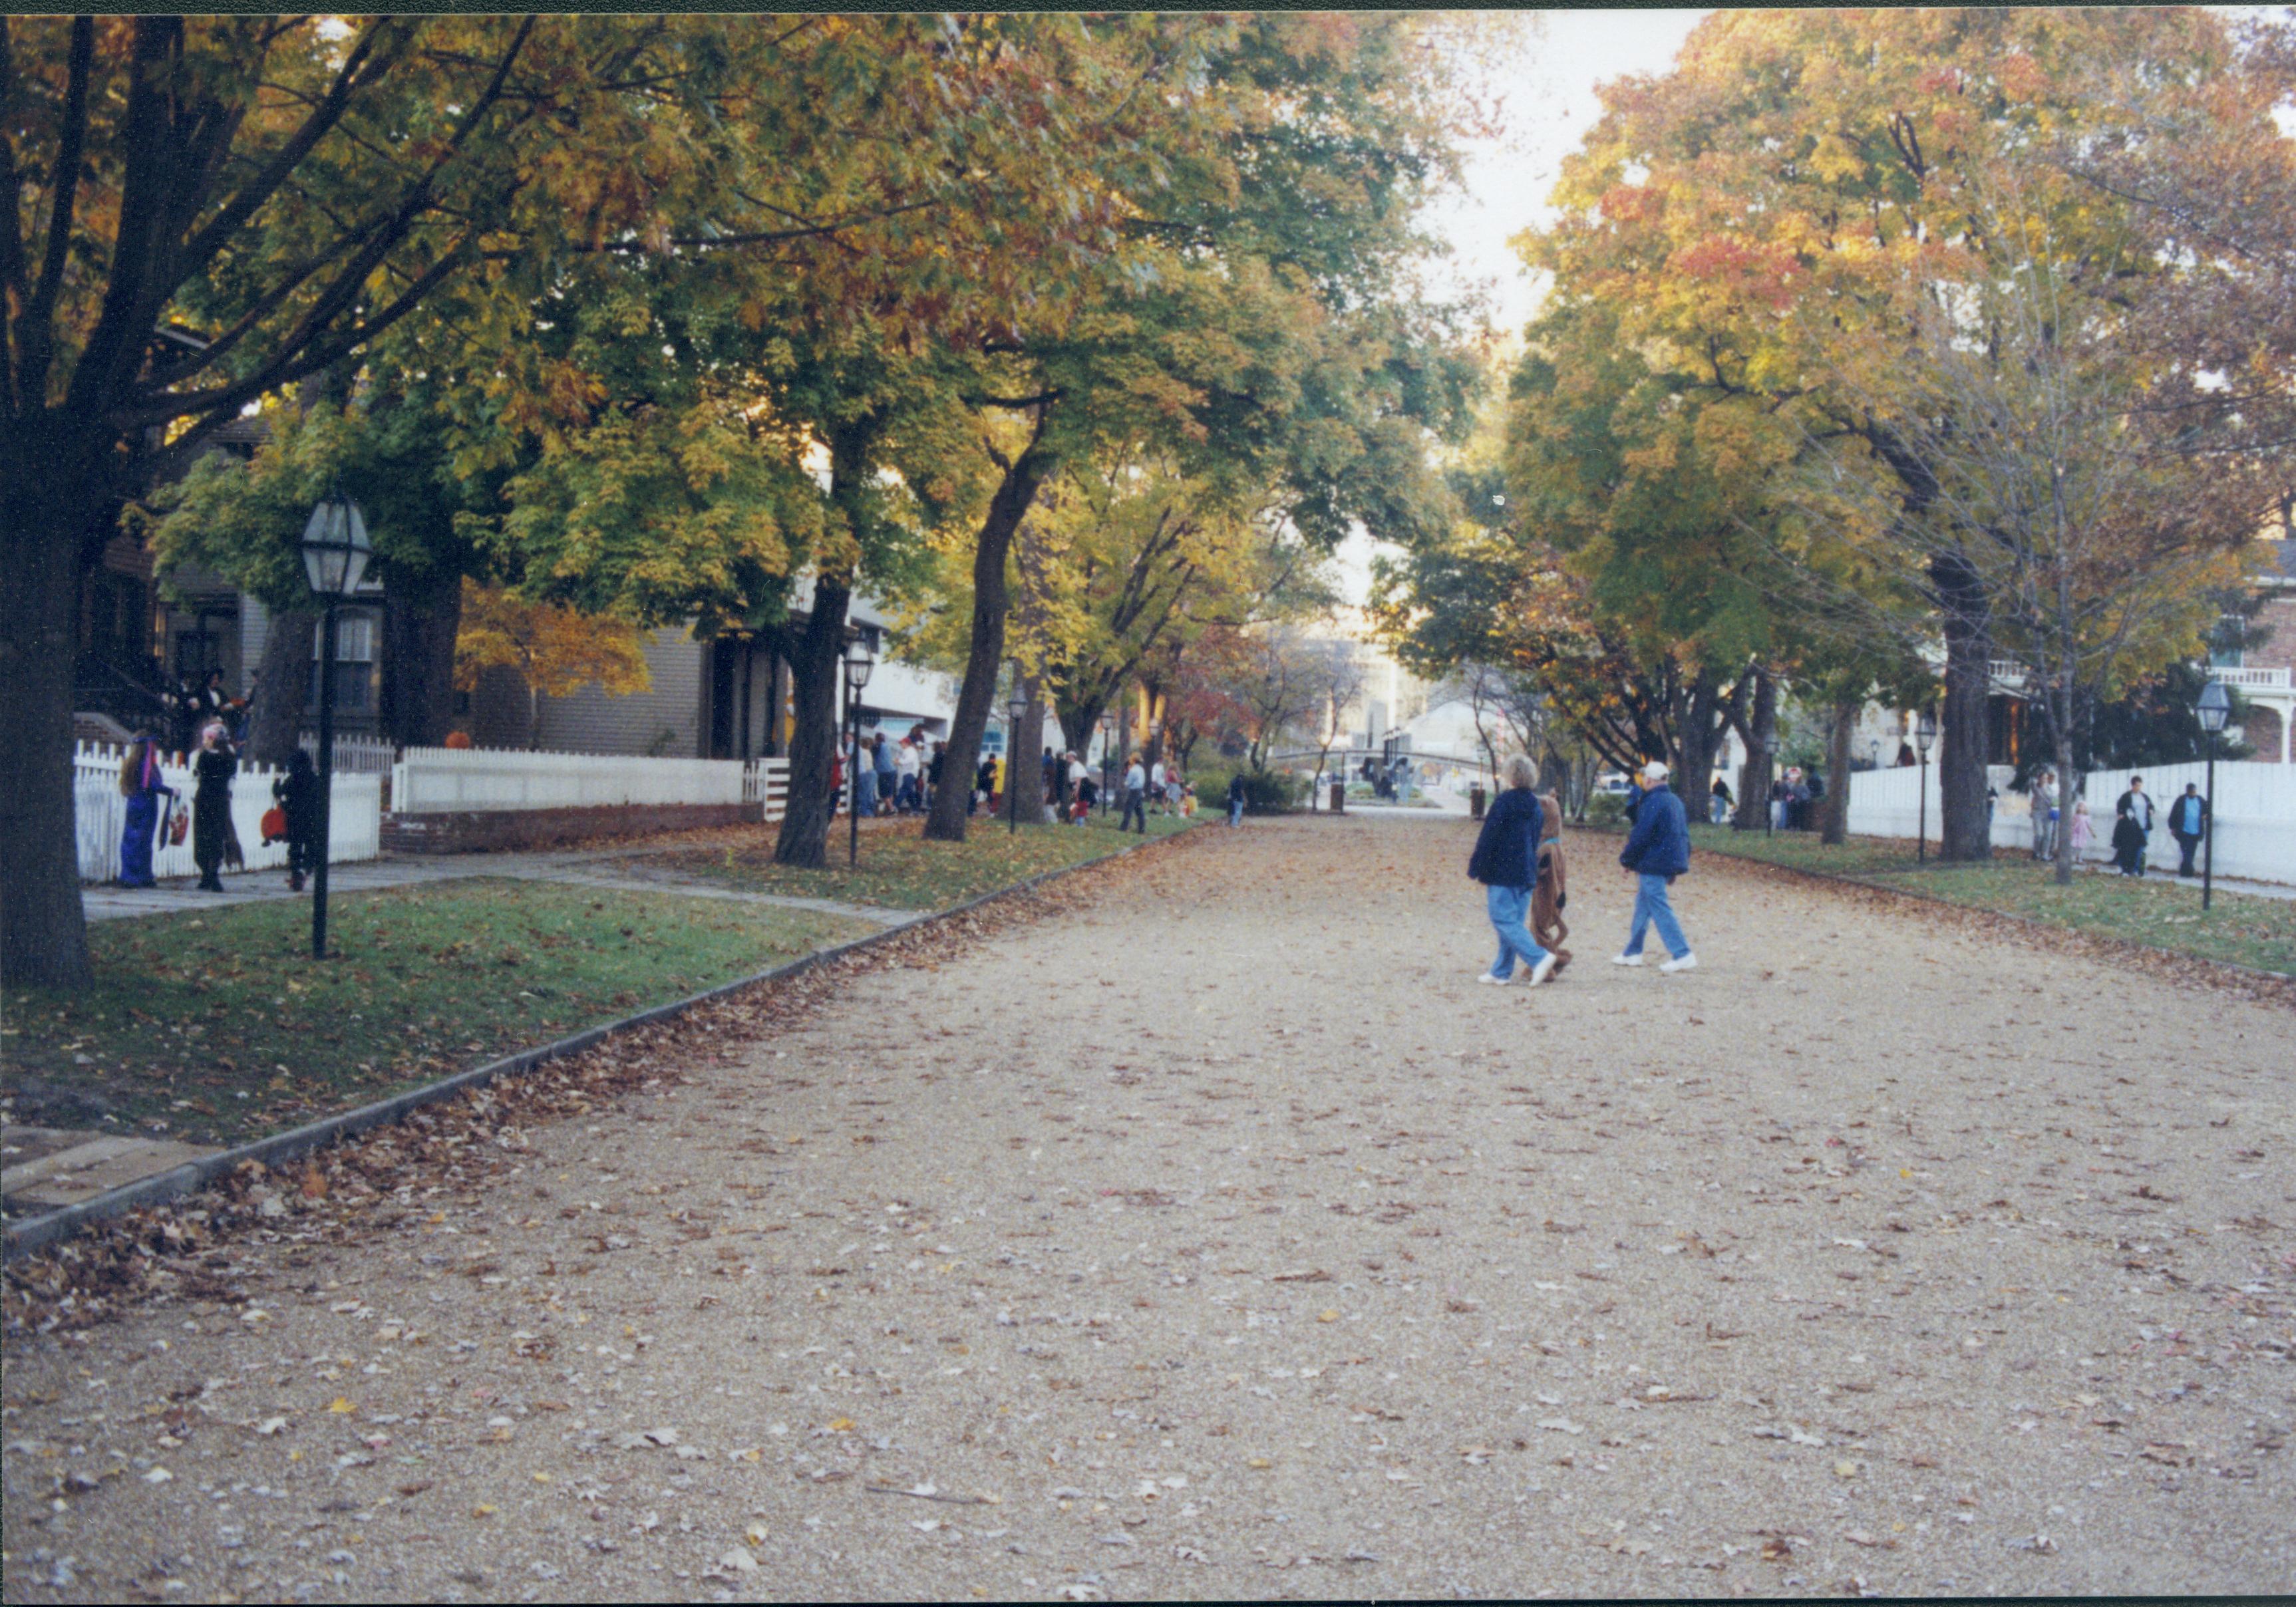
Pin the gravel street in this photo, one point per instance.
(1215, 1235)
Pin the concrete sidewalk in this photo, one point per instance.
(577, 866)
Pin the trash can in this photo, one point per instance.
(1475, 801)
(1339, 797)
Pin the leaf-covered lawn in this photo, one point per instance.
(220, 1028)
(2243, 929)
(900, 869)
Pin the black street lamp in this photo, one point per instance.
(1014, 709)
(857, 666)
(2215, 709)
(335, 553)
(1107, 754)
(1924, 736)
(1770, 804)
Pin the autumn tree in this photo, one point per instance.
(555, 650)
(205, 211)
(1754, 215)
(2102, 529)
(1252, 324)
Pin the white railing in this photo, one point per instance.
(437, 781)
(765, 782)
(354, 755)
(2255, 812)
(2253, 680)
(101, 814)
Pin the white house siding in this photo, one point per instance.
(664, 719)
(254, 632)
(898, 695)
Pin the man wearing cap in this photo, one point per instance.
(1656, 851)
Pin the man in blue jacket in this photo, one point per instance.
(1656, 851)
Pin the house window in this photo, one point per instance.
(355, 656)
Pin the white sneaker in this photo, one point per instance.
(1625, 959)
(1687, 963)
(1485, 976)
(1542, 970)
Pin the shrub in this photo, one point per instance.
(1265, 791)
(1606, 809)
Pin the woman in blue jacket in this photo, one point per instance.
(1505, 861)
(1656, 851)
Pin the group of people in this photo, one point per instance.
(889, 777)
(1794, 798)
(150, 819)
(194, 703)
(902, 777)
(1518, 858)
(2134, 821)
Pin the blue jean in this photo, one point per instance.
(1236, 813)
(1509, 907)
(1650, 905)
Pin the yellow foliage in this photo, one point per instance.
(555, 649)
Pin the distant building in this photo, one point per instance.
(726, 697)
(2266, 673)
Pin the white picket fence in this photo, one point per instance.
(354, 755)
(2255, 812)
(438, 781)
(101, 814)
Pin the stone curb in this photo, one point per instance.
(2037, 928)
(37, 1232)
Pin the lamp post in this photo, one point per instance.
(2215, 709)
(1770, 763)
(1016, 707)
(1924, 736)
(335, 553)
(1107, 753)
(857, 666)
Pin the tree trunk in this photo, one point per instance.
(813, 655)
(421, 615)
(1968, 678)
(282, 689)
(1696, 739)
(2061, 717)
(986, 655)
(1027, 744)
(1835, 818)
(43, 928)
(1754, 775)
(1081, 718)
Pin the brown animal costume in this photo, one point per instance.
(1547, 899)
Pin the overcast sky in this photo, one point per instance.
(1550, 94)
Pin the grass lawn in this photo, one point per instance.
(2156, 912)
(899, 869)
(220, 1028)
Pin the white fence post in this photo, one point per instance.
(765, 782)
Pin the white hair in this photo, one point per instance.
(1520, 772)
